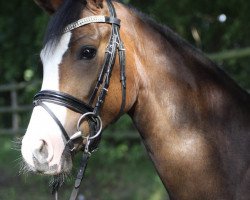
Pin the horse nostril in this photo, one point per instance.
(41, 151)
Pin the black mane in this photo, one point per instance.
(188, 50)
(67, 13)
(176, 40)
(70, 11)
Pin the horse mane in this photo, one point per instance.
(189, 52)
(70, 11)
(172, 37)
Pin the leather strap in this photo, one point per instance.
(92, 19)
(64, 132)
(63, 99)
(121, 52)
(80, 175)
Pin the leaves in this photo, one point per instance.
(21, 25)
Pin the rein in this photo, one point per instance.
(89, 112)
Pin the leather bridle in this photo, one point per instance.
(89, 112)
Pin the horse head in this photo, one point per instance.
(82, 49)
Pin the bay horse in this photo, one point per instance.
(193, 118)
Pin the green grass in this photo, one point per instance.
(118, 171)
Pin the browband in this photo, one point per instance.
(92, 19)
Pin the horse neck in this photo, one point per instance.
(182, 100)
(177, 83)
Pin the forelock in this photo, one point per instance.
(67, 13)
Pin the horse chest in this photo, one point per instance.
(183, 162)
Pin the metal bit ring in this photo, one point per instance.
(98, 121)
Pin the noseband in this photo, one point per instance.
(89, 111)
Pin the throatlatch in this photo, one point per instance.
(89, 113)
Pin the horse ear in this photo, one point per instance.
(95, 3)
(50, 6)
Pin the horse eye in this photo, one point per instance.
(87, 53)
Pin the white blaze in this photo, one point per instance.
(41, 125)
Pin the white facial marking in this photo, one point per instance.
(51, 60)
(42, 127)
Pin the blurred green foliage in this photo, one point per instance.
(117, 171)
(22, 26)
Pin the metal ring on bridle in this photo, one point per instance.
(99, 124)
